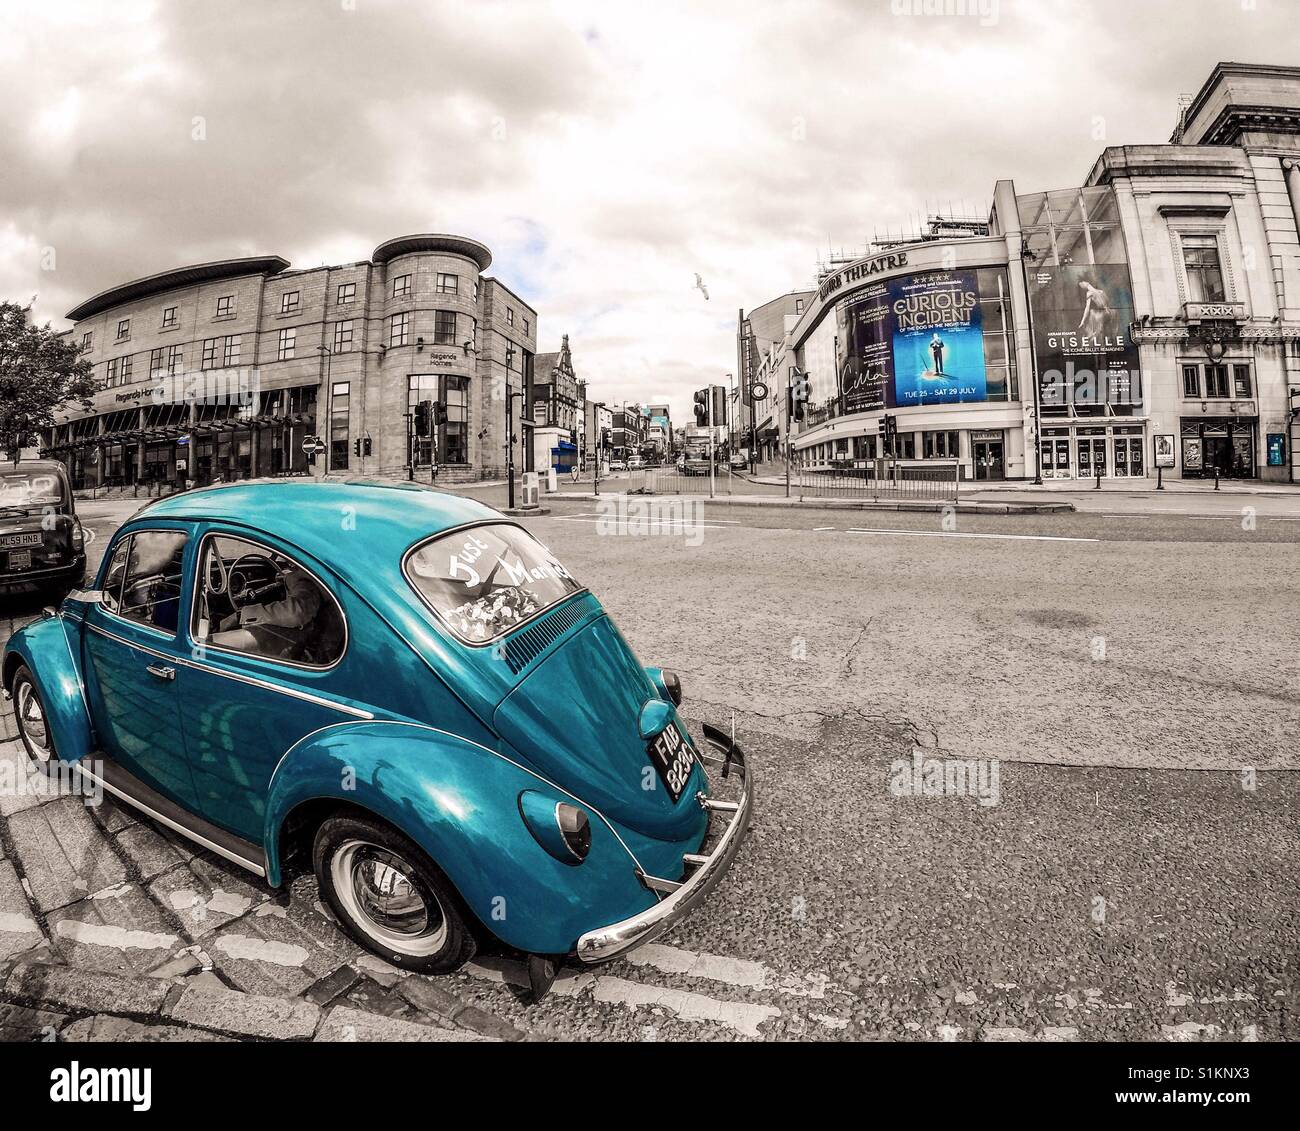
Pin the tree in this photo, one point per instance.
(41, 372)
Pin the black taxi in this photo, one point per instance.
(41, 539)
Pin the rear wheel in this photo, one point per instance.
(390, 896)
(33, 723)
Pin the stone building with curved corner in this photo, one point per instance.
(246, 368)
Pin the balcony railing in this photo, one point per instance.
(1214, 311)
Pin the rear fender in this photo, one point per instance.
(51, 649)
(459, 801)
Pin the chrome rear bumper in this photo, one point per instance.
(609, 942)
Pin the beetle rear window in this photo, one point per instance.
(484, 581)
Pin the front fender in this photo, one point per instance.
(51, 650)
(460, 803)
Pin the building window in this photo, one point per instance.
(798, 306)
(169, 317)
(525, 322)
(288, 341)
(444, 327)
(399, 331)
(401, 286)
(347, 292)
(110, 372)
(123, 329)
(343, 337)
(155, 362)
(1216, 381)
(226, 306)
(940, 445)
(127, 366)
(87, 339)
(230, 353)
(453, 437)
(1241, 380)
(289, 302)
(1204, 275)
(339, 425)
(1191, 381)
(209, 360)
(448, 284)
(175, 360)
(510, 316)
(476, 290)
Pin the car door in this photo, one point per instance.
(267, 640)
(135, 651)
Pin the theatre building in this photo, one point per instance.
(246, 367)
(1147, 321)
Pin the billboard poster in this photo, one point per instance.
(938, 339)
(863, 359)
(1164, 451)
(1085, 353)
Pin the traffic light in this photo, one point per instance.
(701, 408)
(800, 393)
(423, 418)
(366, 446)
(356, 447)
(888, 430)
(719, 404)
(604, 438)
(439, 414)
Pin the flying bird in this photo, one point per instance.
(699, 285)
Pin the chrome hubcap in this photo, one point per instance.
(31, 719)
(379, 890)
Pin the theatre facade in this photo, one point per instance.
(1146, 322)
(246, 367)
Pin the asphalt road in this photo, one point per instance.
(1118, 859)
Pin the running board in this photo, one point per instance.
(123, 784)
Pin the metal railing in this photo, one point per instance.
(935, 482)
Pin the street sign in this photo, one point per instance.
(758, 391)
(312, 445)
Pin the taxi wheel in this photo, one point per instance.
(33, 723)
(390, 896)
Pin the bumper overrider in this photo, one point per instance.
(681, 897)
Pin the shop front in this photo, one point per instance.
(1086, 451)
(1218, 446)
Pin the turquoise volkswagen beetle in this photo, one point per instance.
(404, 688)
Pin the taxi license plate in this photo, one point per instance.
(20, 559)
(672, 758)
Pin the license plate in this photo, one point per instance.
(672, 758)
(20, 559)
(9, 541)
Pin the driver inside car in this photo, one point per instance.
(273, 627)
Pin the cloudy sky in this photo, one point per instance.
(606, 152)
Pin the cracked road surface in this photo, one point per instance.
(1008, 789)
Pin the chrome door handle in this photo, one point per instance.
(161, 672)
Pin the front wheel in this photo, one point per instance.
(33, 722)
(390, 896)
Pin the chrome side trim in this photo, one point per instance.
(233, 857)
(238, 677)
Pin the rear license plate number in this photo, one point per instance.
(673, 759)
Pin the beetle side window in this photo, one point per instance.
(151, 586)
(255, 600)
(113, 576)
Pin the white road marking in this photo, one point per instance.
(968, 534)
(742, 1017)
(730, 971)
(1049, 1033)
(712, 524)
(1189, 1031)
(12, 923)
(262, 950)
(119, 938)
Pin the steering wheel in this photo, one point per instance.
(241, 592)
(218, 578)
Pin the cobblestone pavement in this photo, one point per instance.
(1091, 902)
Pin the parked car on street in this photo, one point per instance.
(618, 465)
(41, 539)
(636, 463)
(401, 690)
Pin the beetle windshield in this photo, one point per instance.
(22, 489)
(486, 580)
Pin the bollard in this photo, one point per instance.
(1160, 478)
(1098, 487)
(1216, 480)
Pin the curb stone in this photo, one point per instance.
(253, 1015)
(93, 991)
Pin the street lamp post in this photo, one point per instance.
(600, 434)
(510, 431)
(329, 403)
